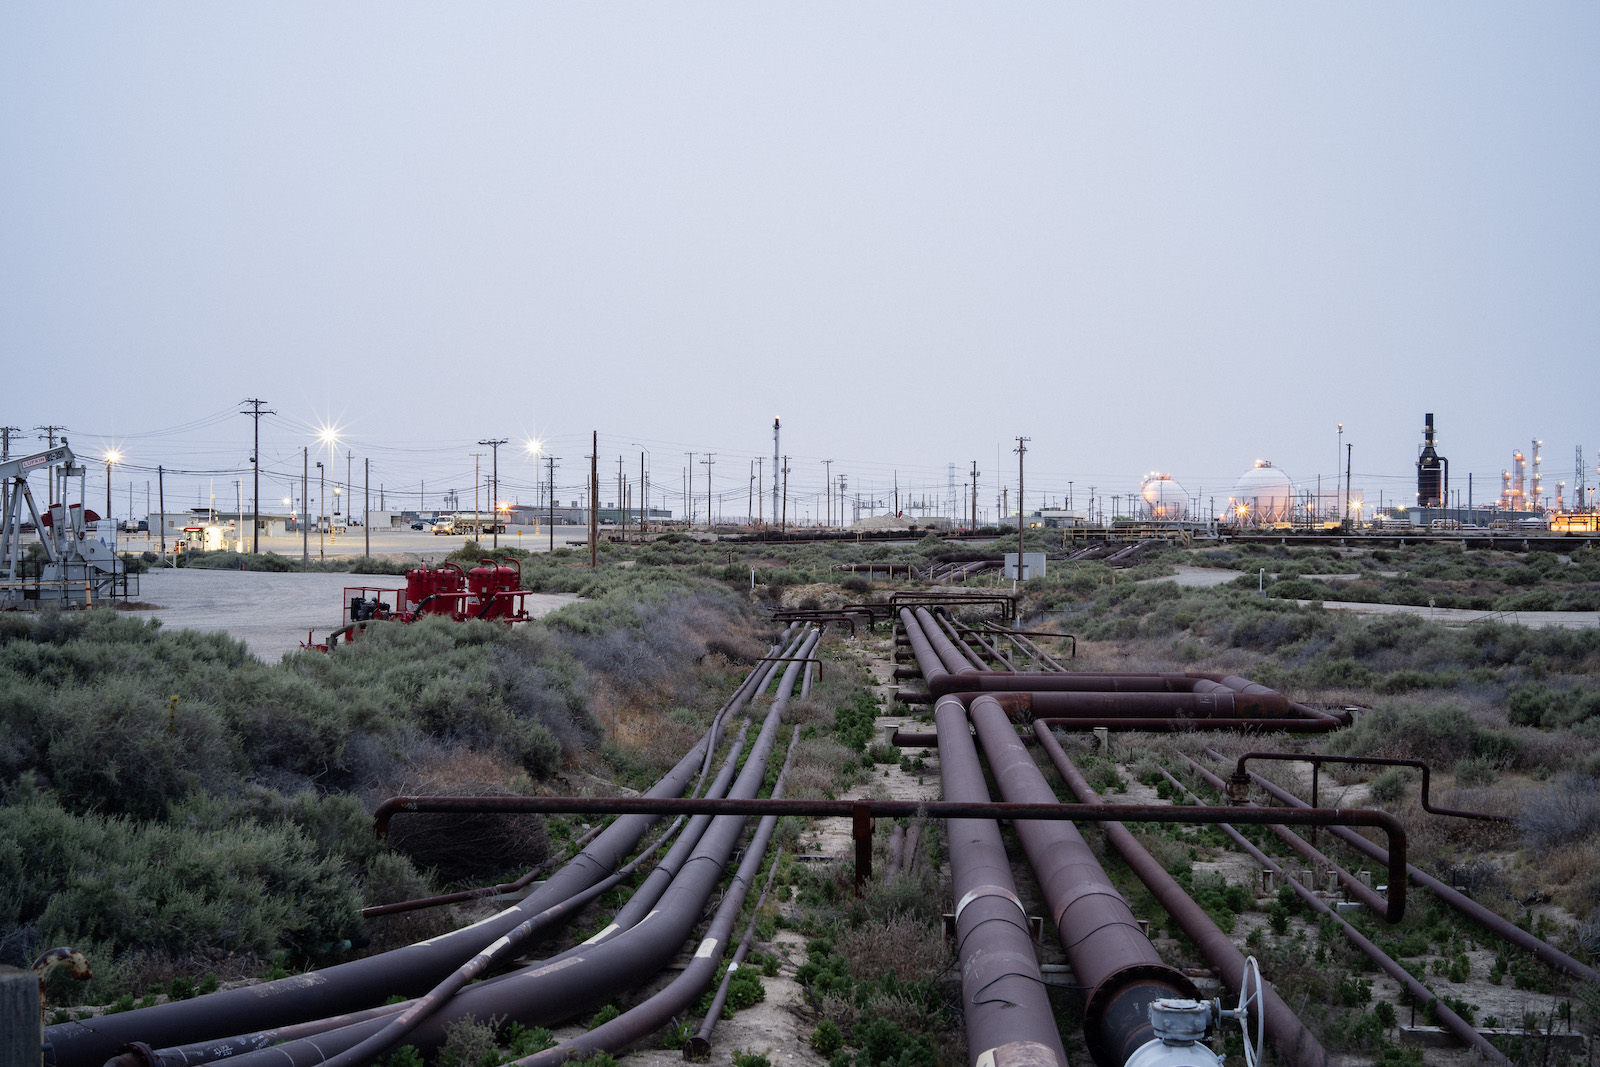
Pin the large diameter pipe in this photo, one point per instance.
(1102, 940)
(573, 982)
(1003, 1002)
(1419, 992)
(1289, 1035)
(960, 644)
(928, 661)
(644, 1019)
(1188, 725)
(1462, 903)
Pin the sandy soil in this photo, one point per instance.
(270, 612)
(1535, 620)
(1206, 577)
(1197, 577)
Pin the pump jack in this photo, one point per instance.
(79, 566)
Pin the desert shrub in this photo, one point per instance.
(1440, 734)
(468, 844)
(1563, 810)
(126, 885)
(1300, 589)
(524, 1041)
(745, 990)
(1388, 786)
(853, 721)
(883, 1041)
(1475, 771)
(826, 1038)
(1220, 900)
(469, 1043)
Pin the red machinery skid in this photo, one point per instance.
(488, 591)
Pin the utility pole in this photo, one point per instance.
(552, 461)
(50, 436)
(1021, 450)
(594, 501)
(622, 500)
(366, 503)
(494, 496)
(688, 493)
(305, 534)
(322, 506)
(761, 472)
(775, 466)
(827, 489)
(783, 526)
(749, 493)
(5, 454)
(1338, 508)
(711, 458)
(644, 500)
(477, 510)
(1347, 450)
(974, 494)
(161, 502)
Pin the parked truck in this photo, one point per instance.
(472, 524)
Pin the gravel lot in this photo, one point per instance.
(270, 612)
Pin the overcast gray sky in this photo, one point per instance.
(1176, 237)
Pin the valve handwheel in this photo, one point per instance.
(1250, 1010)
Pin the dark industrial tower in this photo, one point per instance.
(1433, 472)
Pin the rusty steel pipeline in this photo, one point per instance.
(1108, 951)
(1419, 992)
(1462, 903)
(1003, 1001)
(1288, 1034)
(1317, 759)
(642, 1020)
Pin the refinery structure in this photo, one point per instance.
(55, 550)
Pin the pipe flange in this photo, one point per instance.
(1100, 997)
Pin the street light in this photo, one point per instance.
(112, 456)
(322, 495)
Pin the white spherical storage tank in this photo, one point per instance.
(1164, 497)
(1263, 494)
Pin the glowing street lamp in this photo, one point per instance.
(112, 456)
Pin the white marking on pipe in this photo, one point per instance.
(987, 891)
(707, 948)
(602, 935)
